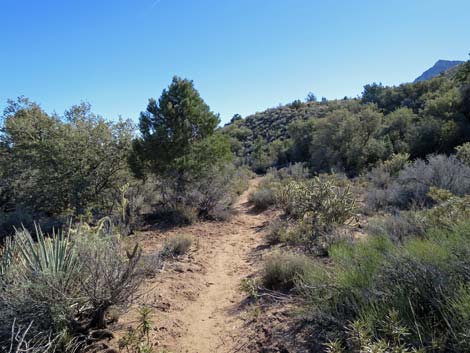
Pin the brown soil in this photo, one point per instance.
(197, 301)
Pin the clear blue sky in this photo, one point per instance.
(244, 55)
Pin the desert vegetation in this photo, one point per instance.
(368, 201)
(74, 187)
(372, 241)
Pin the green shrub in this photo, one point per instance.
(281, 271)
(448, 211)
(396, 163)
(208, 197)
(317, 199)
(60, 166)
(263, 198)
(423, 283)
(176, 245)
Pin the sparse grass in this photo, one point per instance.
(177, 245)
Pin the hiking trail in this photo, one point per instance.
(197, 301)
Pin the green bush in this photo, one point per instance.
(55, 167)
(423, 282)
(266, 194)
(281, 270)
(179, 215)
(317, 199)
(176, 245)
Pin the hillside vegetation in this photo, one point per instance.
(364, 204)
(352, 135)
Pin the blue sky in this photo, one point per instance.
(243, 55)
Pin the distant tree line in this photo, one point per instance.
(353, 135)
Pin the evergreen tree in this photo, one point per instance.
(173, 131)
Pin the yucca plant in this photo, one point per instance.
(54, 255)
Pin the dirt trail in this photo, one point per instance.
(198, 304)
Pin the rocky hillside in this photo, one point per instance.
(439, 67)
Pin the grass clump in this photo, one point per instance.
(281, 270)
(177, 245)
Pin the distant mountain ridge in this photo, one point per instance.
(439, 67)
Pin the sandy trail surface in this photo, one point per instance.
(197, 303)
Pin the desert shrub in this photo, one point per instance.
(361, 339)
(281, 270)
(214, 195)
(444, 172)
(209, 197)
(346, 139)
(277, 231)
(422, 283)
(60, 166)
(414, 182)
(398, 226)
(318, 205)
(110, 276)
(317, 199)
(463, 153)
(295, 171)
(176, 245)
(448, 211)
(240, 179)
(396, 163)
(63, 284)
(135, 201)
(263, 197)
